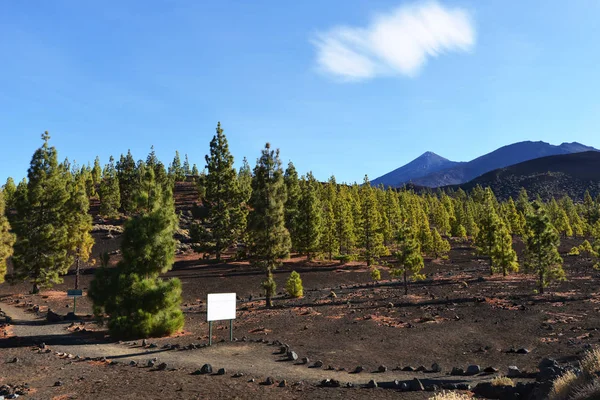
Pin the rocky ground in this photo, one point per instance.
(458, 316)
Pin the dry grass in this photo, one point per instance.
(502, 381)
(564, 386)
(590, 391)
(450, 396)
(590, 365)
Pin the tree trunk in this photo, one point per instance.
(218, 256)
(268, 300)
(541, 282)
(36, 289)
(405, 284)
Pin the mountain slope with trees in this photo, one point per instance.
(554, 176)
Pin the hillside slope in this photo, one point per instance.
(500, 158)
(553, 176)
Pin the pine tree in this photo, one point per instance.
(523, 205)
(225, 222)
(127, 179)
(504, 257)
(137, 301)
(79, 224)
(408, 257)
(40, 251)
(371, 239)
(309, 217)
(440, 246)
(329, 239)
(9, 190)
(96, 172)
(513, 219)
(186, 166)
(440, 217)
(488, 225)
(176, 172)
(269, 239)
(7, 239)
(344, 222)
(292, 212)
(541, 243)
(195, 171)
(110, 197)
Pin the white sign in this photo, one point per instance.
(220, 306)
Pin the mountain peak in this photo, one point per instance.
(428, 154)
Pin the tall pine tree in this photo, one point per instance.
(269, 238)
(292, 213)
(541, 244)
(371, 238)
(225, 221)
(80, 224)
(7, 239)
(41, 224)
(110, 195)
(137, 301)
(408, 256)
(309, 217)
(504, 257)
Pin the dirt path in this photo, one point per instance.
(252, 359)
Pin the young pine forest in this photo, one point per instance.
(261, 214)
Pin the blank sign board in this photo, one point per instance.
(220, 306)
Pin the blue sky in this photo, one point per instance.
(347, 87)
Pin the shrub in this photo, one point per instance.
(564, 386)
(590, 365)
(586, 247)
(574, 251)
(375, 274)
(294, 285)
(588, 391)
(502, 381)
(450, 396)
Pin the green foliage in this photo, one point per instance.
(342, 210)
(504, 257)
(488, 224)
(329, 240)
(541, 243)
(268, 236)
(371, 238)
(7, 239)
(294, 285)
(440, 247)
(586, 247)
(137, 301)
(226, 219)
(375, 274)
(126, 171)
(41, 223)
(110, 195)
(292, 212)
(574, 251)
(408, 256)
(79, 223)
(176, 171)
(309, 216)
(9, 189)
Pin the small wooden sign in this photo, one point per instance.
(75, 293)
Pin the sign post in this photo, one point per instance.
(220, 307)
(75, 293)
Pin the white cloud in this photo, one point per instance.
(399, 42)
